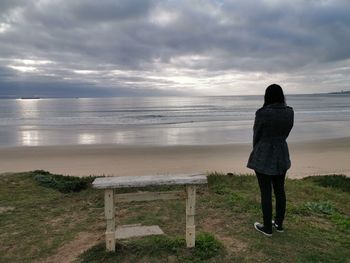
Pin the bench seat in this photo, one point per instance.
(109, 184)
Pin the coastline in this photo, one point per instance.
(327, 156)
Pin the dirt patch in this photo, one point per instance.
(216, 226)
(232, 244)
(212, 224)
(321, 223)
(4, 209)
(70, 251)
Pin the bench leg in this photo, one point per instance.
(110, 217)
(190, 213)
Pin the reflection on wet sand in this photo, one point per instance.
(30, 138)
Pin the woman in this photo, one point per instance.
(270, 156)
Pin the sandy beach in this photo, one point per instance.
(308, 158)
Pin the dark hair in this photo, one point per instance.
(274, 94)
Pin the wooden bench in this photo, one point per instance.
(109, 184)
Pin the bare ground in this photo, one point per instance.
(70, 251)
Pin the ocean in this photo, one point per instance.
(162, 120)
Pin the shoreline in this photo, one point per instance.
(318, 157)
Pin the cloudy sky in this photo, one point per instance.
(149, 47)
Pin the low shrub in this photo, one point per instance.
(340, 182)
(62, 183)
(207, 246)
(323, 207)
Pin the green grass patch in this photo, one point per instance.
(328, 209)
(207, 246)
(42, 219)
(340, 182)
(341, 221)
(151, 249)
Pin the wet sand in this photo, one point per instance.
(329, 156)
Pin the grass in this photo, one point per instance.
(157, 248)
(317, 226)
(340, 182)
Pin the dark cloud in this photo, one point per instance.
(174, 46)
(6, 5)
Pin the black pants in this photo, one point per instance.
(266, 182)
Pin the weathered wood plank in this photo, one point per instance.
(124, 232)
(150, 180)
(110, 216)
(190, 213)
(190, 236)
(110, 241)
(191, 200)
(190, 220)
(149, 196)
(109, 204)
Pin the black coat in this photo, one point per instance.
(272, 126)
